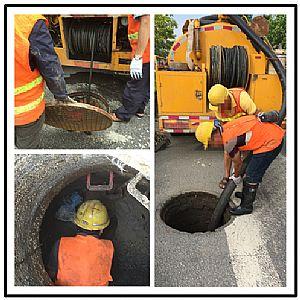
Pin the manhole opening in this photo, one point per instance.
(191, 212)
(117, 201)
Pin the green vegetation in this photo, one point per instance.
(277, 34)
(164, 34)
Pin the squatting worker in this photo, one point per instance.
(85, 259)
(229, 104)
(137, 91)
(35, 63)
(247, 133)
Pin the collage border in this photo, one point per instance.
(295, 6)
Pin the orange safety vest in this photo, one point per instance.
(29, 85)
(237, 110)
(265, 136)
(84, 261)
(133, 35)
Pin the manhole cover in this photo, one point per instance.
(191, 212)
(77, 117)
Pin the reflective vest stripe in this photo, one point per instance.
(25, 88)
(30, 106)
(229, 118)
(133, 36)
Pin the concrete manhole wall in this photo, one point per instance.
(40, 180)
(191, 212)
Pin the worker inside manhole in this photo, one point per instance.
(191, 212)
(79, 236)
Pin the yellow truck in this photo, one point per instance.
(212, 50)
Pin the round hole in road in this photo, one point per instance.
(191, 212)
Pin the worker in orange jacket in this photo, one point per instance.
(247, 133)
(228, 105)
(84, 259)
(137, 91)
(35, 63)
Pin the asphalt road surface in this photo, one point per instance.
(249, 251)
(132, 135)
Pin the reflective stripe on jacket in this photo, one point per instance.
(237, 110)
(133, 35)
(29, 85)
(84, 261)
(264, 136)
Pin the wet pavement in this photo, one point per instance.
(132, 135)
(249, 251)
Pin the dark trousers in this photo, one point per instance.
(136, 95)
(27, 136)
(259, 163)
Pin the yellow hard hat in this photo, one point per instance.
(217, 94)
(92, 215)
(203, 133)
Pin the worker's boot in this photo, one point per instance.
(247, 198)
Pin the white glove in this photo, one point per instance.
(236, 180)
(136, 68)
(70, 100)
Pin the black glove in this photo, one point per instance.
(270, 116)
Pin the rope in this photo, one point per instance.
(228, 66)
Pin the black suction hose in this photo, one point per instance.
(269, 54)
(91, 66)
(230, 187)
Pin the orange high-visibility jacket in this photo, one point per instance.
(29, 85)
(84, 261)
(265, 136)
(133, 35)
(238, 112)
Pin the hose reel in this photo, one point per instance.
(228, 66)
(81, 33)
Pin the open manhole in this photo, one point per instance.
(37, 227)
(191, 212)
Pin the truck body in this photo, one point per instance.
(197, 61)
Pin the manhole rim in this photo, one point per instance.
(162, 205)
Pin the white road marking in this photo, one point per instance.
(251, 261)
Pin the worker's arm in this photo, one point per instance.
(237, 163)
(231, 147)
(52, 265)
(144, 34)
(227, 164)
(247, 104)
(44, 58)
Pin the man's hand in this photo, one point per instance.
(69, 100)
(57, 101)
(270, 116)
(136, 68)
(236, 180)
(218, 125)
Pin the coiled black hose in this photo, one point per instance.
(269, 53)
(82, 34)
(229, 66)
